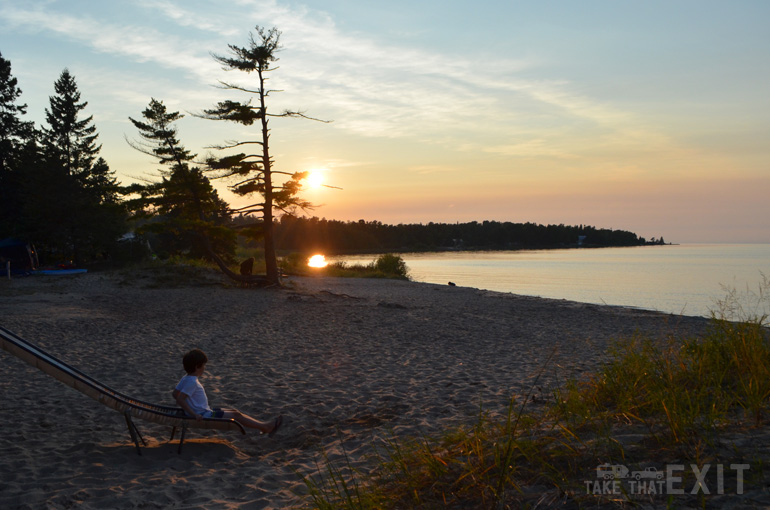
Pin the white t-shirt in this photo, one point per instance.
(196, 395)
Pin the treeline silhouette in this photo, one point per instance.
(58, 194)
(340, 237)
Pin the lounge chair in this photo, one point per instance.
(128, 406)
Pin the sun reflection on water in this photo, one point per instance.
(317, 261)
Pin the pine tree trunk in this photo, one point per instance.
(271, 265)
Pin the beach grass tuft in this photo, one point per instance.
(173, 272)
(673, 397)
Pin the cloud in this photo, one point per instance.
(431, 169)
(380, 88)
(531, 148)
(375, 87)
(218, 23)
(367, 85)
(138, 43)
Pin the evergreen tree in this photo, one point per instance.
(255, 172)
(189, 215)
(14, 135)
(72, 202)
(69, 140)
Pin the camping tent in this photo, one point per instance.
(20, 254)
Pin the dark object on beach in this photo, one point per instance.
(452, 284)
(247, 266)
(20, 254)
(395, 306)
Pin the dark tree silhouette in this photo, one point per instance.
(188, 213)
(69, 140)
(14, 135)
(330, 236)
(72, 202)
(255, 171)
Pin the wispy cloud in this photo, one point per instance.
(138, 43)
(431, 169)
(384, 89)
(182, 15)
(369, 86)
(530, 148)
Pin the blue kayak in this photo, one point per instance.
(56, 272)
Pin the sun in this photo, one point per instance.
(315, 178)
(317, 261)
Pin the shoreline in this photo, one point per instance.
(693, 280)
(346, 361)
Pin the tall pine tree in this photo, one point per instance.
(255, 172)
(15, 134)
(73, 202)
(69, 140)
(188, 215)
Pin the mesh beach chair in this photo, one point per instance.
(128, 406)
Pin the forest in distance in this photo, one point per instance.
(334, 237)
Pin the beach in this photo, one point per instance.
(347, 362)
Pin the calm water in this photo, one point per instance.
(685, 279)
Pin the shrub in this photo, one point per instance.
(391, 265)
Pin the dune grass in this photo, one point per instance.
(674, 397)
(184, 271)
(174, 272)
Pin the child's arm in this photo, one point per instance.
(181, 399)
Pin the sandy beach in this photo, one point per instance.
(346, 361)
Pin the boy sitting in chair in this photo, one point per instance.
(191, 397)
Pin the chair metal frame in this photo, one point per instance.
(128, 406)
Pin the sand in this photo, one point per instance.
(346, 361)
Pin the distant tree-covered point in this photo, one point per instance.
(340, 237)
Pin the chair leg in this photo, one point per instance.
(173, 432)
(135, 434)
(181, 439)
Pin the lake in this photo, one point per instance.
(679, 279)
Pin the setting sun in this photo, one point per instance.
(317, 261)
(315, 178)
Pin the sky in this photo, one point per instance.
(648, 116)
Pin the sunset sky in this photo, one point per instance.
(648, 116)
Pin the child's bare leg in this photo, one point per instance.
(248, 421)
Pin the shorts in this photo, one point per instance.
(214, 413)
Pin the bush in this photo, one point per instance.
(391, 265)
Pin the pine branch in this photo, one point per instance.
(288, 113)
(252, 180)
(231, 144)
(234, 111)
(139, 147)
(241, 209)
(230, 86)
